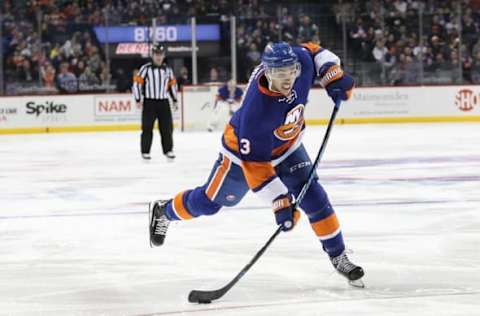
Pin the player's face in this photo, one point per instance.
(158, 58)
(283, 78)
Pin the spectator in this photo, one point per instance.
(359, 31)
(438, 62)
(67, 49)
(48, 75)
(55, 51)
(25, 72)
(452, 66)
(213, 75)
(390, 57)
(66, 81)
(469, 31)
(307, 30)
(412, 71)
(400, 6)
(379, 51)
(428, 58)
(389, 61)
(105, 76)
(183, 79)
(367, 45)
(475, 70)
(87, 79)
(289, 30)
(476, 47)
(398, 73)
(79, 68)
(253, 56)
(467, 64)
(123, 83)
(94, 60)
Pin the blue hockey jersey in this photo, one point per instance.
(269, 126)
(224, 94)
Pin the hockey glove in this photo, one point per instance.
(339, 85)
(285, 211)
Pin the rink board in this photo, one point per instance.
(117, 112)
(65, 113)
(400, 105)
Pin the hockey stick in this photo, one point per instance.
(205, 297)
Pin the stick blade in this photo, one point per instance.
(203, 297)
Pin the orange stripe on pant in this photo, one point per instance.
(218, 178)
(180, 208)
(326, 227)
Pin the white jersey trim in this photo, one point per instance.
(294, 147)
(274, 162)
(325, 56)
(272, 190)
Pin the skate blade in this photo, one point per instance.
(357, 283)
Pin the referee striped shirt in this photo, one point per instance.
(154, 82)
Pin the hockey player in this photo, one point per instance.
(230, 94)
(262, 151)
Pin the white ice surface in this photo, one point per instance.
(73, 228)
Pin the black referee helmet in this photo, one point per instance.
(159, 49)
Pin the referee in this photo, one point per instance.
(154, 81)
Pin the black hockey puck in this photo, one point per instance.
(204, 302)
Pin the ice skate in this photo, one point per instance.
(158, 222)
(349, 270)
(170, 156)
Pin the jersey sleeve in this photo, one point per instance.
(238, 94)
(222, 93)
(172, 85)
(327, 64)
(255, 141)
(138, 82)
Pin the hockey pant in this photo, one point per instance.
(153, 110)
(226, 186)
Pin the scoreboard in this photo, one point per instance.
(164, 33)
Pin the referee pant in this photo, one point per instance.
(152, 110)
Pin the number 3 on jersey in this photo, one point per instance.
(244, 146)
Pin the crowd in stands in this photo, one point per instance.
(253, 34)
(43, 49)
(385, 39)
(50, 43)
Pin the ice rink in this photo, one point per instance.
(73, 234)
